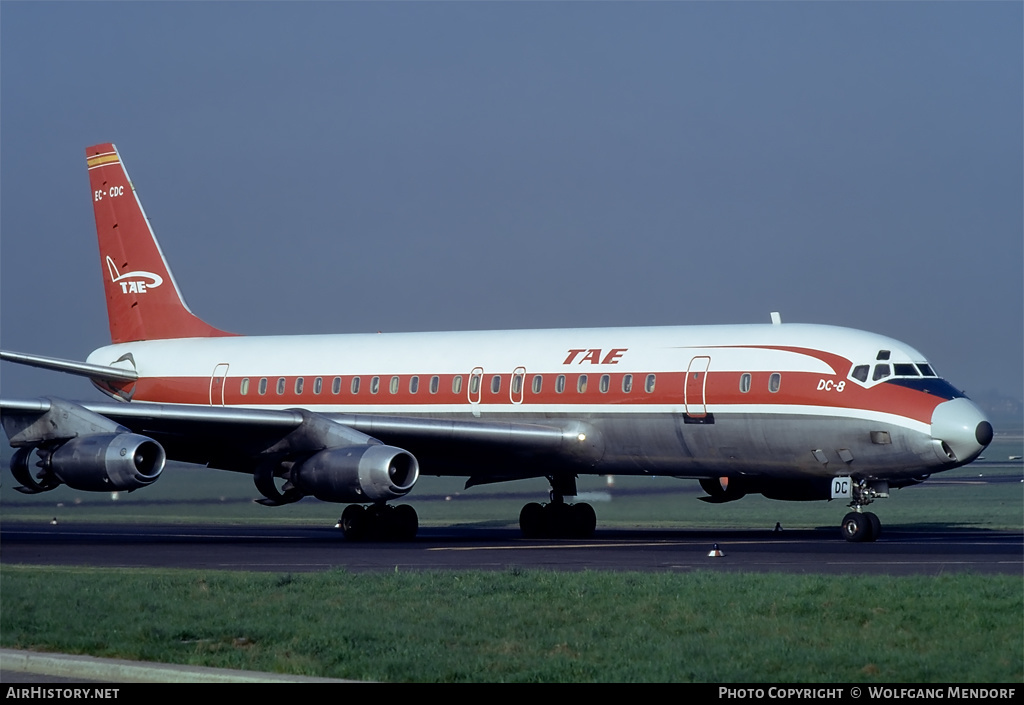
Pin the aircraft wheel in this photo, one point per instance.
(856, 527)
(876, 525)
(584, 520)
(404, 522)
(559, 518)
(353, 522)
(533, 521)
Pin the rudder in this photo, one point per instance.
(143, 300)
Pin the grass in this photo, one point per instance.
(530, 626)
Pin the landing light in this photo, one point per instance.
(581, 437)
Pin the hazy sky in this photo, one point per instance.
(352, 167)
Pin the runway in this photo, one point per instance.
(304, 549)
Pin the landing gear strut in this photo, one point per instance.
(558, 519)
(860, 526)
(379, 522)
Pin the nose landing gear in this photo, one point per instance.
(858, 526)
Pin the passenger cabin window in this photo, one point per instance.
(374, 385)
(474, 384)
(560, 384)
(649, 384)
(774, 382)
(299, 383)
(517, 384)
(627, 383)
(435, 384)
(393, 386)
(263, 385)
(354, 387)
(280, 385)
(538, 382)
(745, 382)
(581, 384)
(606, 383)
(318, 385)
(457, 384)
(495, 384)
(414, 384)
(860, 373)
(245, 386)
(881, 372)
(336, 386)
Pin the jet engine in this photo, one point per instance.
(722, 489)
(107, 462)
(369, 473)
(730, 489)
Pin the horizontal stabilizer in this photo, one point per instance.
(84, 369)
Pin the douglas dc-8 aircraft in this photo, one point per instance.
(793, 412)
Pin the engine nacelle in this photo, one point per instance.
(794, 490)
(808, 490)
(370, 473)
(113, 462)
(722, 489)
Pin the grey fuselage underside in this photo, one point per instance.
(780, 446)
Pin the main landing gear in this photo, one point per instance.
(860, 526)
(558, 519)
(379, 522)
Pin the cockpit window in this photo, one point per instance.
(905, 369)
(926, 369)
(883, 355)
(860, 373)
(881, 372)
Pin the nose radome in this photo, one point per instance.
(962, 428)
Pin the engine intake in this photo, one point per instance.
(370, 473)
(108, 462)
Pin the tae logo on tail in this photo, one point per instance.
(133, 282)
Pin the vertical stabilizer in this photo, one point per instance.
(143, 300)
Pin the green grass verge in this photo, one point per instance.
(530, 625)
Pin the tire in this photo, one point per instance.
(876, 525)
(856, 527)
(584, 521)
(405, 522)
(353, 522)
(533, 521)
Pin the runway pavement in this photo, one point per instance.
(301, 549)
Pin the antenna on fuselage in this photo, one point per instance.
(776, 318)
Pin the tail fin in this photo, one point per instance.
(143, 300)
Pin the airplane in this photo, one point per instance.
(789, 411)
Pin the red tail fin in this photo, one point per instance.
(143, 301)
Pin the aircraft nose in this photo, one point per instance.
(962, 430)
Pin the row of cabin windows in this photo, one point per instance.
(604, 384)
